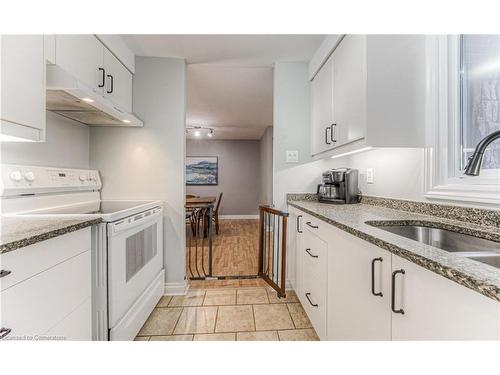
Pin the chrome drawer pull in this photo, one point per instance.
(4, 273)
(312, 304)
(4, 332)
(308, 251)
(312, 226)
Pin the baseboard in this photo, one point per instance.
(238, 217)
(176, 289)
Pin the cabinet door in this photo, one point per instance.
(349, 89)
(358, 289)
(82, 56)
(22, 84)
(322, 109)
(118, 86)
(35, 306)
(440, 309)
(314, 291)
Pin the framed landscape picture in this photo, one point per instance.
(202, 170)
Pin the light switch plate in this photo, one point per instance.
(369, 175)
(292, 156)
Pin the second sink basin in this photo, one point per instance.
(464, 245)
(442, 238)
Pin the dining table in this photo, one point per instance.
(198, 201)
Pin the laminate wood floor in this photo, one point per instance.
(235, 250)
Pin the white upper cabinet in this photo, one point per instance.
(118, 86)
(375, 86)
(22, 87)
(338, 99)
(83, 57)
(322, 109)
(431, 307)
(88, 60)
(349, 90)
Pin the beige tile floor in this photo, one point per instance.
(228, 314)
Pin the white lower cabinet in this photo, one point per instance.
(436, 308)
(359, 291)
(313, 295)
(47, 293)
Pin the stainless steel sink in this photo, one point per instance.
(475, 248)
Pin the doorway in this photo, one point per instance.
(229, 163)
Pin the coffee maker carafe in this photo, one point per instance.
(339, 186)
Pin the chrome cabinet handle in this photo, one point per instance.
(103, 77)
(308, 251)
(379, 294)
(312, 226)
(333, 133)
(393, 292)
(298, 225)
(4, 273)
(326, 135)
(4, 332)
(312, 304)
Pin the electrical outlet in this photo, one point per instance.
(292, 156)
(369, 175)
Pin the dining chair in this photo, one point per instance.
(190, 196)
(215, 216)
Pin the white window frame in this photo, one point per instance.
(442, 181)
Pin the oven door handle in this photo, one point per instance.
(142, 218)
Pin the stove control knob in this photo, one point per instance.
(16, 176)
(29, 176)
(82, 178)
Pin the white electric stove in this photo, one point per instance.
(127, 254)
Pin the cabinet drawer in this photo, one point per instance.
(314, 291)
(38, 304)
(316, 226)
(31, 260)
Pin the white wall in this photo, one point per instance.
(67, 146)
(291, 117)
(266, 167)
(398, 172)
(148, 162)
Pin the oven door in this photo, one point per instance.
(135, 258)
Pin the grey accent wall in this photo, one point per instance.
(148, 162)
(266, 167)
(66, 145)
(239, 174)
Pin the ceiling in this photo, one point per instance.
(229, 77)
(236, 101)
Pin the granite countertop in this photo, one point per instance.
(477, 276)
(20, 231)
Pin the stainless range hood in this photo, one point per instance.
(71, 98)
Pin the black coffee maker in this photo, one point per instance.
(339, 186)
